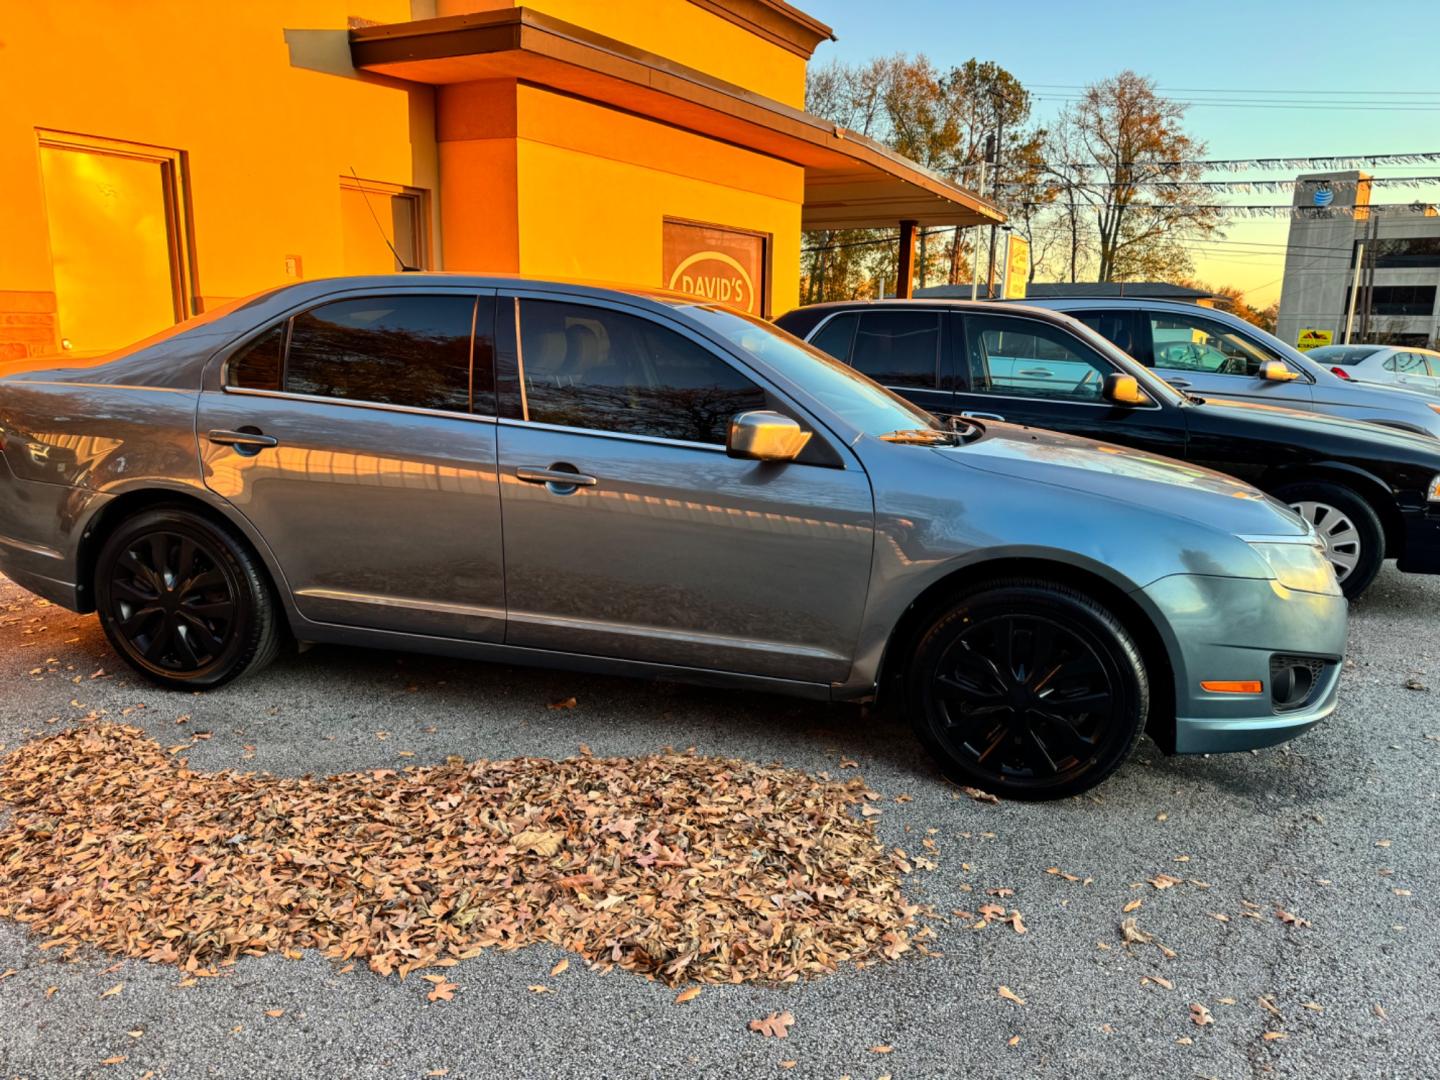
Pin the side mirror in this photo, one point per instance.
(1276, 371)
(764, 435)
(1123, 390)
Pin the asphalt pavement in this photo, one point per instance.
(1336, 829)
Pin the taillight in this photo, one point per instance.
(1342, 373)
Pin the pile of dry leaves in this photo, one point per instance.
(675, 866)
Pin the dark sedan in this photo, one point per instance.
(1371, 492)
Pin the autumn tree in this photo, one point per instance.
(1125, 171)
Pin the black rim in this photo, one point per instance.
(171, 603)
(1024, 699)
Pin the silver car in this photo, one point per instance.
(644, 484)
(1393, 365)
(1216, 354)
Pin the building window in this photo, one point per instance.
(1397, 300)
(1403, 251)
(384, 227)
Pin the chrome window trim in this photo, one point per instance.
(659, 440)
(380, 406)
(1154, 406)
(408, 603)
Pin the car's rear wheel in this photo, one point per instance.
(1028, 689)
(184, 600)
(1351, 530)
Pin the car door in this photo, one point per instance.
(1207, 357)
(1412, 371)
(358, 438)
(1030, 371)
(662, 548)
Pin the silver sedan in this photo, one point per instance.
(631, 483)
(1397, 365)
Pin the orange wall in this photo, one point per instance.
(677, 30)
(234, 86)
(611, 178)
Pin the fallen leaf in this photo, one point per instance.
(1200, 1014)
(882, 1048)
(116, 1060)
(1289, 919)
(442, 991)
(789, 1063)
(564, 703)
(1379, 1010)
(438, 1072)
(1014, 1040)
(776, 1025)
(275, 1013)
(113, 990)
(1010, 995)
(1164, 881)
(1185, 1040)
(1271, 1036)
(1133, 905)
(1132, 933)
(1061, 873)
(538, 989)
(689, 994)
(981, 796)
(559, 967)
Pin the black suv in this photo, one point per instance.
(1371, 492)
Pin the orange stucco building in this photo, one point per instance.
(157, 158)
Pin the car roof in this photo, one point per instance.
(995, 307)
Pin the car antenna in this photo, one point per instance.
(404, 266)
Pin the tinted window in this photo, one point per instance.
(1190, 343)
(836, 337)
(257, 366)
(1342, 354)
(591, 367)
(1115, 326)
(394, 350)
(850, 395)
(898, 348)
(1029, 358)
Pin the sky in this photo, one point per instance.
(1355, 79)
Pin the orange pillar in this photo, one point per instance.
(905, 274)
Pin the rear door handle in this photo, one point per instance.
(1037, 373)
(251, 441)
(983, 416)
(558, 477)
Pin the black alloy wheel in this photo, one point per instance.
(184, 601)
(1028, 689)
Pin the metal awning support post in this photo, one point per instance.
(905, 271)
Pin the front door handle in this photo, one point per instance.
(246, 440)
(1179, 384)
(983, 416)
(559, 480)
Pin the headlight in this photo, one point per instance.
(1434, 493)
(1302, 567)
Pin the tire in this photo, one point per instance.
(1055, 719)
(184, 601)
(1354, 538)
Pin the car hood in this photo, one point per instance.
(1378, 438)
(1127, 475)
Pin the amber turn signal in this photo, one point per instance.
(1222, 686)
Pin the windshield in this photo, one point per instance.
(1343, 354)
(865, 404)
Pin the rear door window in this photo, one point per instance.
(1118, 327)
(405, 349)
(898, 348)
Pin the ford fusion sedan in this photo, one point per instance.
(641, 484)
(1215, 354)
(1390, 365)
(1370, 491)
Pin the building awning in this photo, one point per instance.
(851, 182)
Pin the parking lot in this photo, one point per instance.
(1301, 917)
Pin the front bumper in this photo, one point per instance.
(1220, 629)
(1421, 553)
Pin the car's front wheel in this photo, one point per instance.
(1027, 689)
(184, 600)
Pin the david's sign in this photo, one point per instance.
(722, 265)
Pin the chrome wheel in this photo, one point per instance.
(171, 603)
(1023, 699)
(1341, 538)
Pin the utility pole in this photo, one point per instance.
(1372, 235)
(999, 100)
(989, 156)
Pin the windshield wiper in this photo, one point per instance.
(920, 436)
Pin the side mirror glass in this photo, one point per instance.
(1124, 390)
(763, 435)
(1276, 371)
